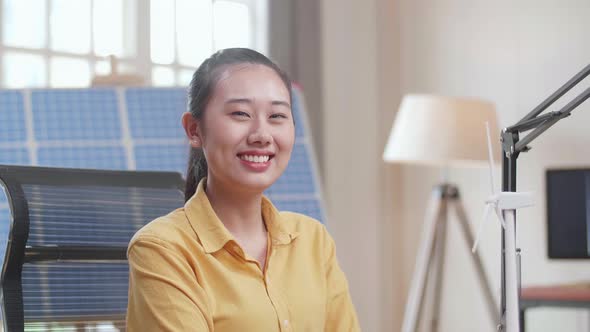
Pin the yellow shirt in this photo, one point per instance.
(187, 273)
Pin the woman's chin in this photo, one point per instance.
(257, 183)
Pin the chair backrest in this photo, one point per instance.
(64, 246)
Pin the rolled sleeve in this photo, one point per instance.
(164, 294)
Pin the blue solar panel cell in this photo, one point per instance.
(298, 177)
(84, 157)
(297, 108)
(173, 157)
(309, 207)
(12, 117)
(14, 156)
(76, 114)
(155, 113)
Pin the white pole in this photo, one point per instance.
(512, 310)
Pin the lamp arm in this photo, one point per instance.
(565, 112)
(532, 123)
(539, 123)
(557, 94)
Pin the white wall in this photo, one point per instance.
(513, 53)
(360, 82)
(351, 155)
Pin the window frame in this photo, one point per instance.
(136, 14)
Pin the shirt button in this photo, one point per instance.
(267, 279)
(286, 323)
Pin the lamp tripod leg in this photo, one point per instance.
(423, 262)
(493, 309)
(439, 260)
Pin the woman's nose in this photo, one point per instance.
(260, 137)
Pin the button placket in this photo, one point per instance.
(274, 295)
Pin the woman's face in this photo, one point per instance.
(247, 131)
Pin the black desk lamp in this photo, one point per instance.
(512, 146)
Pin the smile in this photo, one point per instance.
(255, 159)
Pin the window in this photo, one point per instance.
(64, 43)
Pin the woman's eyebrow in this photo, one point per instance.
(280, 103)
(238, 101)
(250, 101)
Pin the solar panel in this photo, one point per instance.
(84, 114)
(12, 117)
(14, 156)
(131, 128)
(156, 113)
(298, 178)
(299, 115)
(155, 157)
(308, 206)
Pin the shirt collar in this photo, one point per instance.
(214, 235)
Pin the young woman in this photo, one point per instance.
(228, 260)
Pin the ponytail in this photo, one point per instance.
(197, 170)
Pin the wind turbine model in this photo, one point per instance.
(508, 200)
(506, 204)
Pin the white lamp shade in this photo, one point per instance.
(443, 131)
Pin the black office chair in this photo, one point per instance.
(64, 242)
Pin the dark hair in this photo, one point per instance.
(200, 90)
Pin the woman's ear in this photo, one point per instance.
(191, 128)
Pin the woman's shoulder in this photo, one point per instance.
(168, 230)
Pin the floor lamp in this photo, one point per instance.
(447, 132)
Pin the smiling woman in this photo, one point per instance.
(229, 260)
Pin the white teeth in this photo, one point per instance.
(255, 159)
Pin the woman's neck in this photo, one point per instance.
(240, 212)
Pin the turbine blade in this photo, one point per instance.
(500, 217)
(490, 158)
(484, 219)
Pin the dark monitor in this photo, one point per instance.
(568, 213)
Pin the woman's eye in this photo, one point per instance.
(240, 114)
(278, 116)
